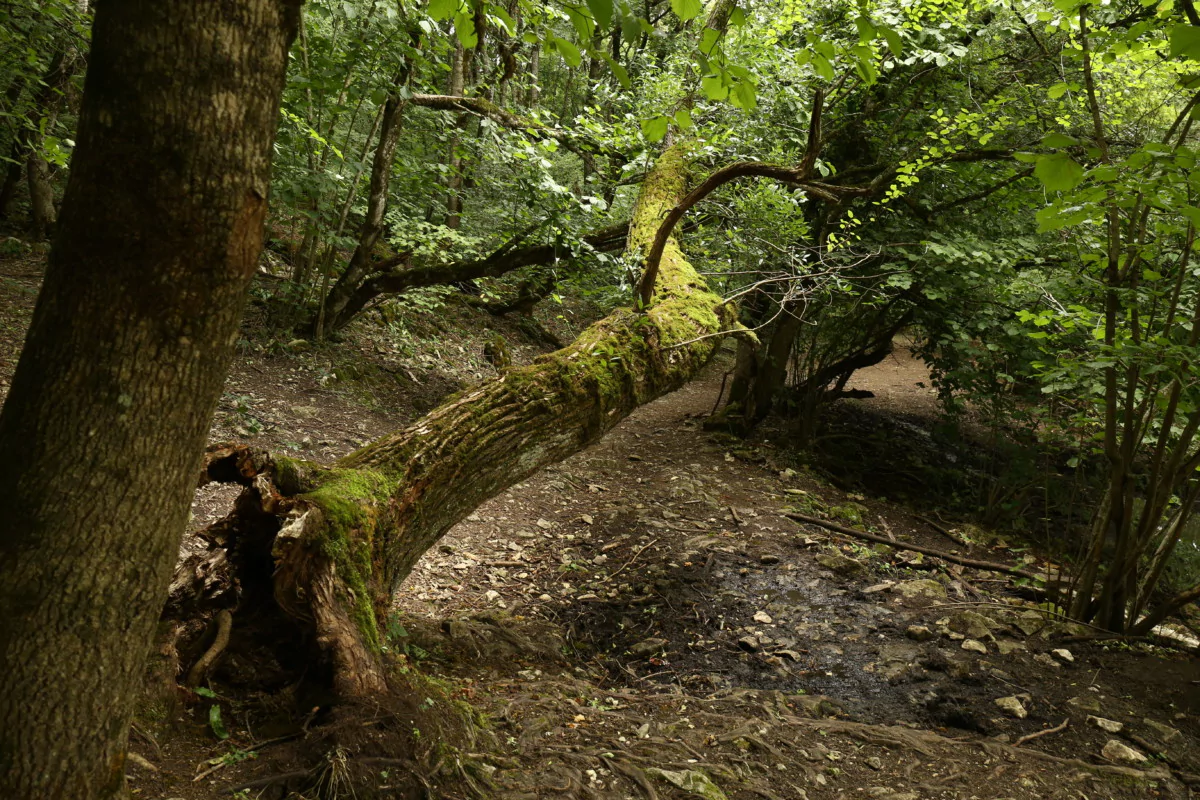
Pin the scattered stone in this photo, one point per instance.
(545, 524)
(491, 595)
(298, 346)
(919, 633)
(748, 643)
(1118, 752)
(1164, 733)
(1046, 660)
(600, 560)
(874, 763)
(692, 781)
(975, 646)
(545, 598)
(768, 560)
(1085, 703)
(972, 625)
(842, 565)
(1012, 706)
(647, 648)
(923, 587)
(879, 587)
(306, 412)
(1009, 646)
(1063, 654)
(763, 618)
(1106, 725)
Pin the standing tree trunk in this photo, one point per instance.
(101, 434)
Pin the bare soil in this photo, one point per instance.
(642, 621)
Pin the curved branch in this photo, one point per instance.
(501, 116)
(395, 275)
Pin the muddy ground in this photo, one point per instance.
(642, 620)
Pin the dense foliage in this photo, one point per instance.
(1012, 185)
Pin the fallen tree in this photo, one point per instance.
(334, 542)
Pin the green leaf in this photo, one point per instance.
(683, 118)
(442, 9)
(655, 128)
(686, 9)
(709, 40)
(714, 87)
(620, 71)
(569, 52)
(894, 43)
(737, 18)
(602, 11)
(583, 23)
(1057, 90)
(204, 691)
(743, 96)
(866, 31)
(1058, 172)
(866, 64)
(214, 722)
(464, 26)
(1059, 140)
(822, 67)
(1185, 41)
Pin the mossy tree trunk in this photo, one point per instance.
(348, 534)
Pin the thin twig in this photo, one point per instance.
(1029, 737)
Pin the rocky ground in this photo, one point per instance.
(643, 620)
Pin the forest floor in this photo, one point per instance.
(642, 620)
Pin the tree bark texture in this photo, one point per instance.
(351, 532)
(101, 435)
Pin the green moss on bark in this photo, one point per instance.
(349, 500)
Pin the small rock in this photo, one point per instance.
(763, 618)
(1085, 703)
(842, 565)
(298, 346)
(1046, 660)
(600, 559)
(545, 524)
(1118, 752)
(1012, 706)
(748, 643)
(879, 587)
(975, 646)
(972, 625)
(1063, 654)
(1107, 725)
(874, 763)
(1009, 646)
(491, 595)
(921, 588)
(1164, 733)
(648, 647)
(919, 633)
(767, 560)
(545, 598)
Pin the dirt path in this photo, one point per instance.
(657, 563)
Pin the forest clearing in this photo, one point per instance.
(721, 400)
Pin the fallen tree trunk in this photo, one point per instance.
(342, 538)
